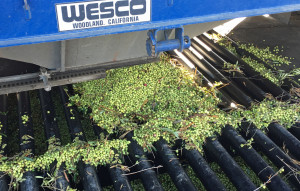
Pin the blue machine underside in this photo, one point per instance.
(35, 21)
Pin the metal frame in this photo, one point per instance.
(33, 81)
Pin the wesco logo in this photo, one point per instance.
(82, 15)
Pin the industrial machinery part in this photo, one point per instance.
(33, 21)
(203, 57)
(67, 36)
(215, 151)
(180, 42)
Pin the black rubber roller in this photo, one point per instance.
(273, 152)
(26, 143)
(172, 165)
(295, 130)
(51, 129)
(146, 172)
(283, 137)
(3, 131)
(264, 83)
(234, 172)
(208, 178)
(88, 174)
(254, 160)
(120, 181)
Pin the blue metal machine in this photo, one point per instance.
(35, 21)
(68, 35)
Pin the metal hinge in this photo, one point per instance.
(180, 41)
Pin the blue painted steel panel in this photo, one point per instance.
(19, 26)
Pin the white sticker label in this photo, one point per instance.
(91, 14)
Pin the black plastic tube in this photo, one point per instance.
(287, 83)
(228, 165)
(254, 160)
(208, 178)
(145, 169)
(90, 180)
(26, 139)
(283, 137)
(3, 123)
(117, 175)
(243, 52)
(3, 132)
(237, 77)
(51, 130)
(264, 83)
(72, 117)
(48, 113)
(88, 174)
(205, 82)
(3, 182)
(171, 163)
(120, 181)
(272, 151)
(214, 75)
(295, 130)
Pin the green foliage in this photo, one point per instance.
(248, 144)
(224, 42)
(25, 119)
(94, 153)
(268, 111)
(1, 126)
(2, 146)
(282, 75)
(228, 67)
(265, 72)
(162, 100)
(154, 100)
(271, 58)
